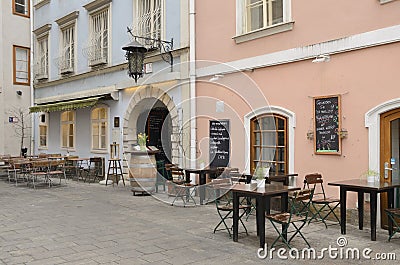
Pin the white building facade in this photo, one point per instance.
(15, 77)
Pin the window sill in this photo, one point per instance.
(278, 28)
(97, 151)
(385, 1)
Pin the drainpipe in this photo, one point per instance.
(33, 115)
(192, 76)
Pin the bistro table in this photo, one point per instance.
(361, 186)
(79, 164)
(202, 178)
(261, 195)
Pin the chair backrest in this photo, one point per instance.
(300, 201)
(175, 172)
(315, 181)
(219, 190)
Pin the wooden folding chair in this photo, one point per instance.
(322, 205)
(293, 218)
(178, 187)
(57, 169)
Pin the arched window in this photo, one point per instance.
(99, 128)
(68, 129)
(268, 142)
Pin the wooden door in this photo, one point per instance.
(389, 155)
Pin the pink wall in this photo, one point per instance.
(315, 21)
(365, 78)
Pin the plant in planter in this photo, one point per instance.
(261, 173)
(142, 140)
(371, 175)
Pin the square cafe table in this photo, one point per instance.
(361, 186)
(261, 195)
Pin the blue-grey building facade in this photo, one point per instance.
(84, 99)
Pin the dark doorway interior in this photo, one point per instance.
(158, 129)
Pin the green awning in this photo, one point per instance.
(65, 105)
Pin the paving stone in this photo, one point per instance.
(92, 224)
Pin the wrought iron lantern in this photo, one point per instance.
(135, 55)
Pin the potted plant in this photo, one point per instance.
(142, 140)
(371, 175)
(261, 173)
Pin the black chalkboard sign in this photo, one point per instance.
(219, 143)
(327, 125)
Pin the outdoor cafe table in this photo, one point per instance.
(202, 178)
(261, 195)
(361, 186)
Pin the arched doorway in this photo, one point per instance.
(146, 101)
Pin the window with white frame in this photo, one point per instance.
(262, 18)
(43, 130)
(21, 65)
(68, 129)
(42, 58)
(99, 33)
(99, 123)
(148, 18)
(21, 7)
(67, 50)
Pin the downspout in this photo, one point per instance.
(33, 115)
(192, 78)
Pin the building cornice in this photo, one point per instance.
(351, 43)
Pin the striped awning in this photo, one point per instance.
(65, 105)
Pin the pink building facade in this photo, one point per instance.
(264, 66)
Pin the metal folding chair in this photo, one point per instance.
(394, 225)
(293, 218)
(179, 188)
(222, 197)
(322, 205)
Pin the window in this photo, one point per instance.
(43, 130)
(99, 32)
(269, 143)
(263, 13)
(148, 22)
(21, 65)
(67, 129)
(67, 50)
(42, 58)
(99, 128)
(260, 18)
(21, 7)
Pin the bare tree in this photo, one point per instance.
(21, 122)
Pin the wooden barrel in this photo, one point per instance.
(143, 172)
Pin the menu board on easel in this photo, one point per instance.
(327, 125)
(219, 143)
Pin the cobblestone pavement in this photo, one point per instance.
(82, 223)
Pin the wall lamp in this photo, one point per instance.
(322, 58)
(216, 77)
(19, 92)
(135, 53)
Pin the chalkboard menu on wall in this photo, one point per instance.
(219, 143)
(327, 125)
